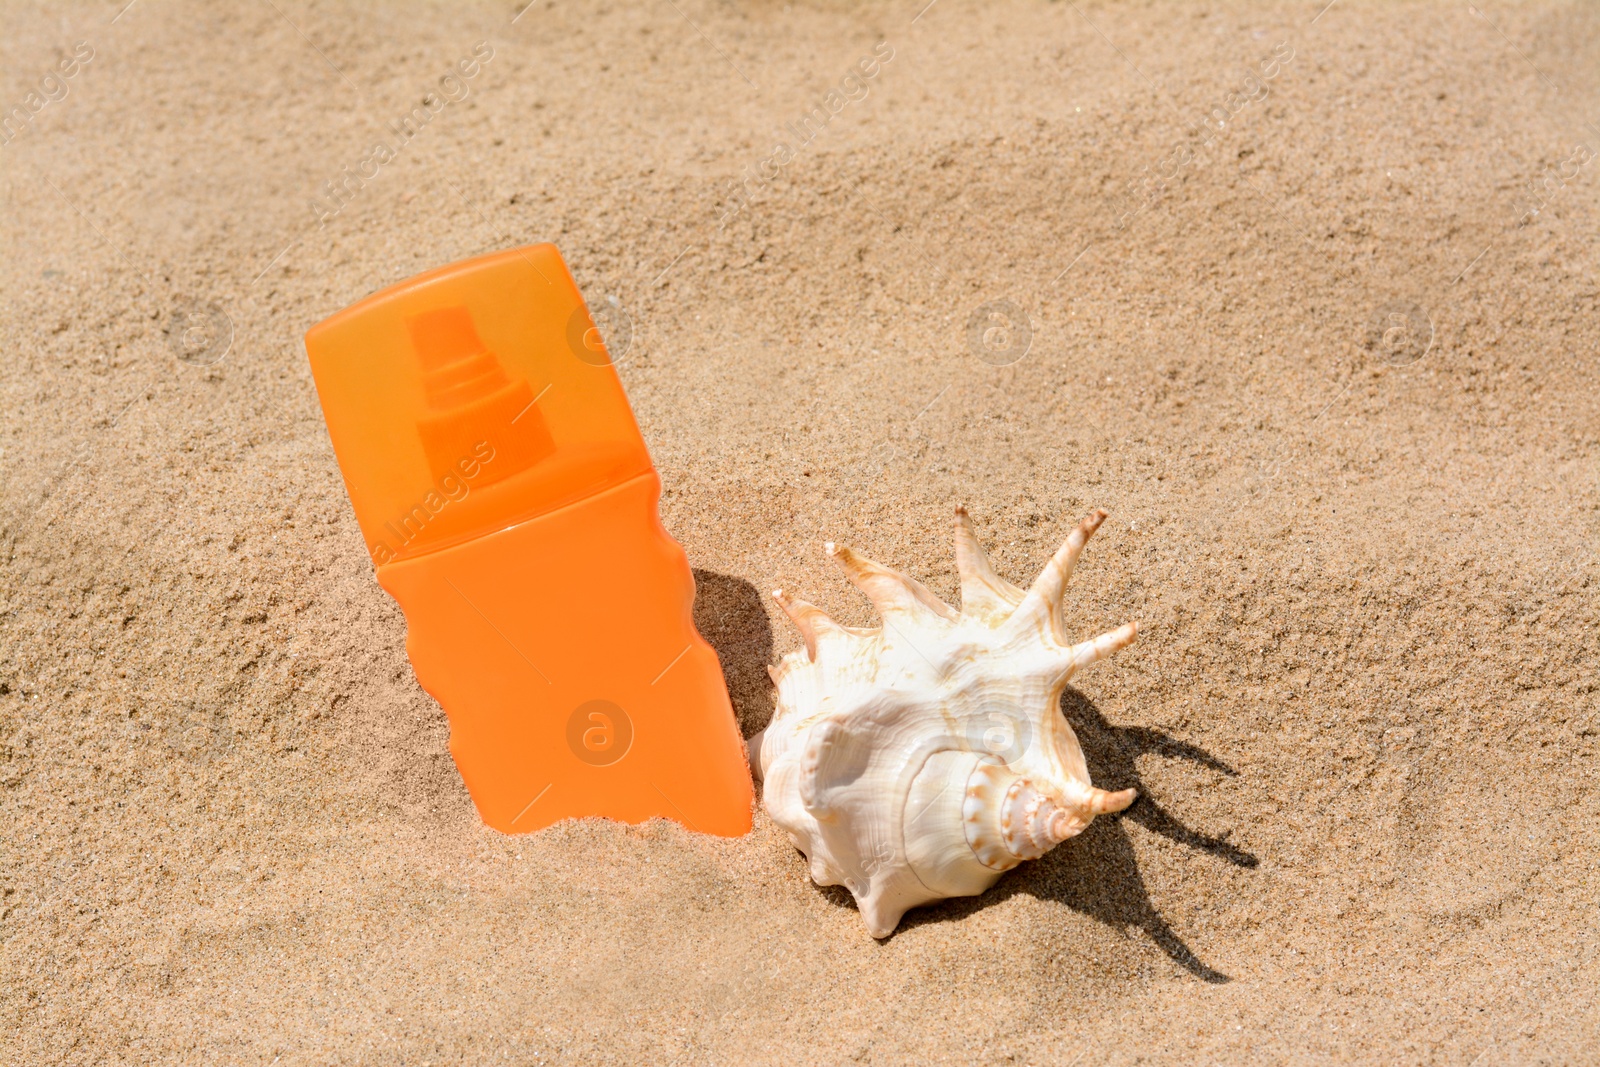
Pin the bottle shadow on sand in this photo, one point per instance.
(730, 615)
(1095, 874)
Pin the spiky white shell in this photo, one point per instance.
(924, 758)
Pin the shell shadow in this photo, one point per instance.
(1097, 873)
(731, 616)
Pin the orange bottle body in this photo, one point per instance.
(510, 507)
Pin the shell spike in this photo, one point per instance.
(809, 619)
(1096, 649)
(1044, 597)
(983, 592)
(1104, 803)
(889, 590)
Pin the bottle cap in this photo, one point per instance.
(471, 398)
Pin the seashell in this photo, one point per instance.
(924, 758)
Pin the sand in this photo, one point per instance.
(1326, 354)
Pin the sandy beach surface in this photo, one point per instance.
(1305, 296)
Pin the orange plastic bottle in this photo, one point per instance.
(509, 505)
